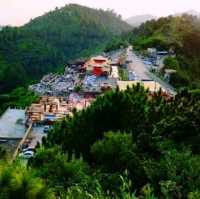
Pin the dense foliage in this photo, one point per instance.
(18, 182)
(180, 34)
(155, 141)
(116, 43)
(18, 98)
(127, 144)
(49, 41)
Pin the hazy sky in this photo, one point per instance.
(18, 12)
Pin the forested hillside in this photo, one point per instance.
(181, 34)
(49, 41)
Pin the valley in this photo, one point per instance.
(92, 107)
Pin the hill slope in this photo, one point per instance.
(181, 33)
(49, 41)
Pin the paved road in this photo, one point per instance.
(137, 66)
(143, 73)
(164, 84)
(37, 134)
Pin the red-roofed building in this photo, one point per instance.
(98, 66)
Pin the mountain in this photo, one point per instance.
(192, 12)
(180, 33)
(139, 19)
(47, 42)
(189, 12)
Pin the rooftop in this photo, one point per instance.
(100, 58)
(10, 127)
(170, 71)
(151, 85)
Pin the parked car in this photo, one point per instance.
(28, 149)
(3, 141)
(105, 87)
(26, 155)
(47, 129)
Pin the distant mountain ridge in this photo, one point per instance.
(137, 20)
(189, 12)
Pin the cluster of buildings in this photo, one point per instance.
(100, 75)
(93, 77)
(50, 109)
(60, 94)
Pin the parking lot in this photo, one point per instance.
(98, 84)
(138, 67)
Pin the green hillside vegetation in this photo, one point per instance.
(18, 98)
(50, 41)
(125, 145)
(116, 43)
(181, 34)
